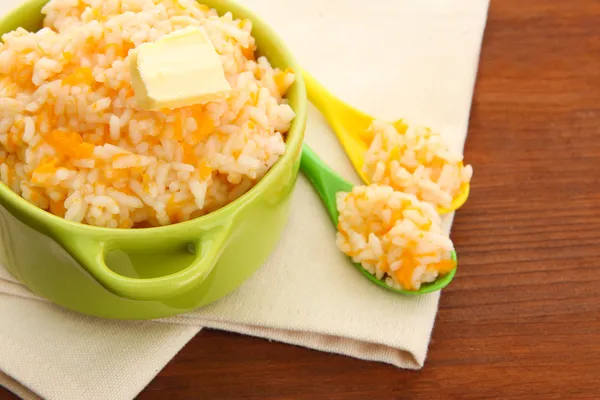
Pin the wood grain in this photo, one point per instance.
(521, 319)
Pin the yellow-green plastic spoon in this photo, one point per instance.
(328, 184)
(350, 126)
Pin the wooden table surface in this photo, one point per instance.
(522, 318)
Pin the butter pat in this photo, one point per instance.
(178, 70)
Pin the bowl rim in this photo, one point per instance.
(294, 139)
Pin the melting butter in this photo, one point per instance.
(178, 70)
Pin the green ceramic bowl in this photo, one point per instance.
(155, 272)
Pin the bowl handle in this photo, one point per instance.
(90, 254)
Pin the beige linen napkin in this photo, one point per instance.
(392, 58)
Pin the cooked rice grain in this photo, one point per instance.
(393, 235)
(74, 142)
(415, 160)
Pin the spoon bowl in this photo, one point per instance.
(328, 183)
(350, 126)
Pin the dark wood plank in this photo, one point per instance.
(520, 320)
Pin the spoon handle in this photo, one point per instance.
(326, 181)
(321, 98)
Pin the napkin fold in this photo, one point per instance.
(415, 59)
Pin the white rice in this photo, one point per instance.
(74, 142)
(393, 235)
(417, 161)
